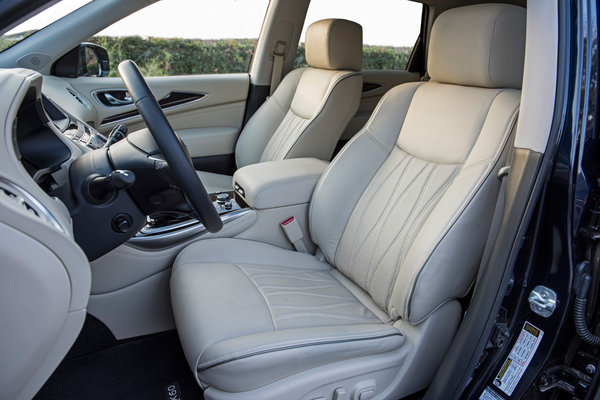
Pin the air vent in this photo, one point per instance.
(78, 97)
(25, 201)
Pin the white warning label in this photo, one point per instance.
(489, 394)
(519, 358)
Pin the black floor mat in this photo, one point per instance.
(140, 369)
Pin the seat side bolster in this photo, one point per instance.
(260, 128)
(324, 130)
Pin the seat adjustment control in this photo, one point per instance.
(340, 394)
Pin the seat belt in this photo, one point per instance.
(293, 232)
(278, 53)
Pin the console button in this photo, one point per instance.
(222, 198)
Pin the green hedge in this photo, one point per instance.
(159, 57)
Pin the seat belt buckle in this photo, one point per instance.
(293, 232)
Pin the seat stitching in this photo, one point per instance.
(386, 211)
(293, 315)
(240, 355)
(404, 225)
(372, 272)
(296, 277)
(334, 305)
(298, 124)
(283, 127)
(403, 160)
(468, 199)
(432, 202)
(322, 107)
(492, 47)
(371, 136)
(270, 287)
(356, 249)
(262, 294)
(325, 296)
(299, 127)
(279, 143)
(356, 137)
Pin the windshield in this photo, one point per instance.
(39, 21)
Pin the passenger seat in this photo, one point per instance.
(311, 107)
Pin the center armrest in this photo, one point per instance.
(278, 183)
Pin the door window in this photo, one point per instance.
(184, 37)
(390, 29)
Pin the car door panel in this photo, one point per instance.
(209, 123)
(210, 141)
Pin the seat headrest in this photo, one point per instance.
(334, 44)
(481, 45)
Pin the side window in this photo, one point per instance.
(390, 29)
(184, 37)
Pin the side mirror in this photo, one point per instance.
(87, 59)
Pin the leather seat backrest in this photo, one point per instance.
(311, 107)
(405, 208)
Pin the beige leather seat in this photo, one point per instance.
(308, 112)
(400, 217)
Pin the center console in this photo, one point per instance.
(168, 229)
(273, 191)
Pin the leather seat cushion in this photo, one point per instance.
(260, 313)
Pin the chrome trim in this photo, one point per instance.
(114, 102)
(26, 198)
(155, 231)
(154, 238)
(94, 94)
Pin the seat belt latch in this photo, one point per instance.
(292, 230)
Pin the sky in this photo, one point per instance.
(229, 19)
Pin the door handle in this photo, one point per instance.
(113, 101)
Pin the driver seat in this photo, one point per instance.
(400, 218)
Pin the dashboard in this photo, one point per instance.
(36, 131)
(109, 190)
(73, 128)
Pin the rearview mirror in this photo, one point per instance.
(87, 59)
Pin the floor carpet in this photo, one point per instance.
(151, 367)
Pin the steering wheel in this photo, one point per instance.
(170, 145)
